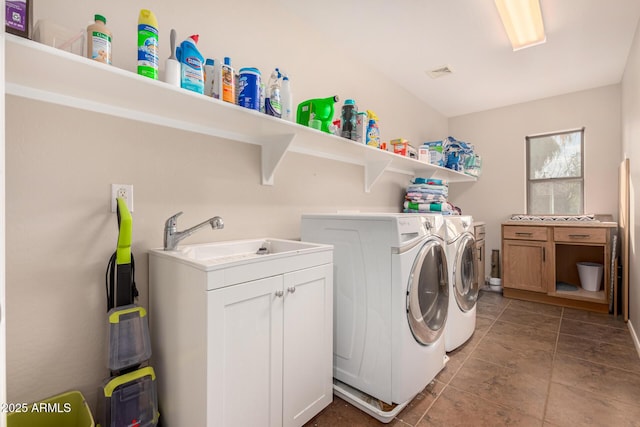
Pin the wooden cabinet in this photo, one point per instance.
(539, 262)
(526, 265)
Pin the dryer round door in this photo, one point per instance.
(465, 278)
(428, 293)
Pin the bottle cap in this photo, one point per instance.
(209, 61)
(100, 18)
(195, 38)
(349, 102)
(227, 60)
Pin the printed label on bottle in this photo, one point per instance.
(228, 87)
(101, 47)
(192, 76)
(148, 51)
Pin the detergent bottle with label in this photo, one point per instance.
(99, 40)
(228, 81)
(191, 65)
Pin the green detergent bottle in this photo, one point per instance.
(319, 109)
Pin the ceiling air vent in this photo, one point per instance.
(438, 72)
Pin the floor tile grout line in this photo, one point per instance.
(599, 363)
(500, 405)
(462, 364)
(553, 364)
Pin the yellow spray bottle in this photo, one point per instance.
(148, 44)
(373, 132)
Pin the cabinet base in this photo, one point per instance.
(600, 307)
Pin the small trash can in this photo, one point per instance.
(67, 409)
(590, 275)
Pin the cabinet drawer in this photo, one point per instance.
(580, 235)
(519, 232)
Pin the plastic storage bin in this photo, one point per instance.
(129, 341)
(590, 275)
(52, 34)
(67, 409)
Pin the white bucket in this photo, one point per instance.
(590, 275)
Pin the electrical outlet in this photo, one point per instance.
(124, 191)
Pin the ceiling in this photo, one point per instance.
(588, 42)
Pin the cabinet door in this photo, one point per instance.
(526, 265)
(480, 262)
(308, 344)
(244, 366)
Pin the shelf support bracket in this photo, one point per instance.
(373, 170)
(273, 151)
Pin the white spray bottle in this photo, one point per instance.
(286, 99)
(272, 103)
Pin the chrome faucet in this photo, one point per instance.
(172, 236)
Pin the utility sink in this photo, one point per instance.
(242, 260)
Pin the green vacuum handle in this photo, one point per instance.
(123, 252)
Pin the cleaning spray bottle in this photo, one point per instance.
(148, 44)
(286, 97)
(373, 132)
(272, 106)
(191, 69)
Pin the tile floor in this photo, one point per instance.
(527, 364)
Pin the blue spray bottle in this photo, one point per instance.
(191, 65)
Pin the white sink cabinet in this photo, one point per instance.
(246, 342)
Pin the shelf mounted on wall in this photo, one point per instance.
(77, 82)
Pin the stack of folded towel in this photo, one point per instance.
(428, 195)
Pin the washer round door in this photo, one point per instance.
(465, 278)
(428, 293)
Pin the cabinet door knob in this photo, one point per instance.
(279, 294)
(291, 289)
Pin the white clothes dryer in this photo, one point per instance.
(390, 300)
(463, 282)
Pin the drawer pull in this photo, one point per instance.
(279, 294)
(579, 236)
(291, 289)
(522, 233)
(544, 255)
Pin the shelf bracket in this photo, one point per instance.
(374, 167)
(273, 151)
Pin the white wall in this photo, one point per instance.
(499, 136)
(631, 150)
(61, 163)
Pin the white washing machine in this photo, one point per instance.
(390, 300)
(463, 282)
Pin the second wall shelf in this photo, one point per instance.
(74, 81)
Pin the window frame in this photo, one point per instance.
(542, 180)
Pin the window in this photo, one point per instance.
(555, 173)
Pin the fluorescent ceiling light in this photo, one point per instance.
(522, 19)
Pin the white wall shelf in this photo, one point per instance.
(46, 74)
